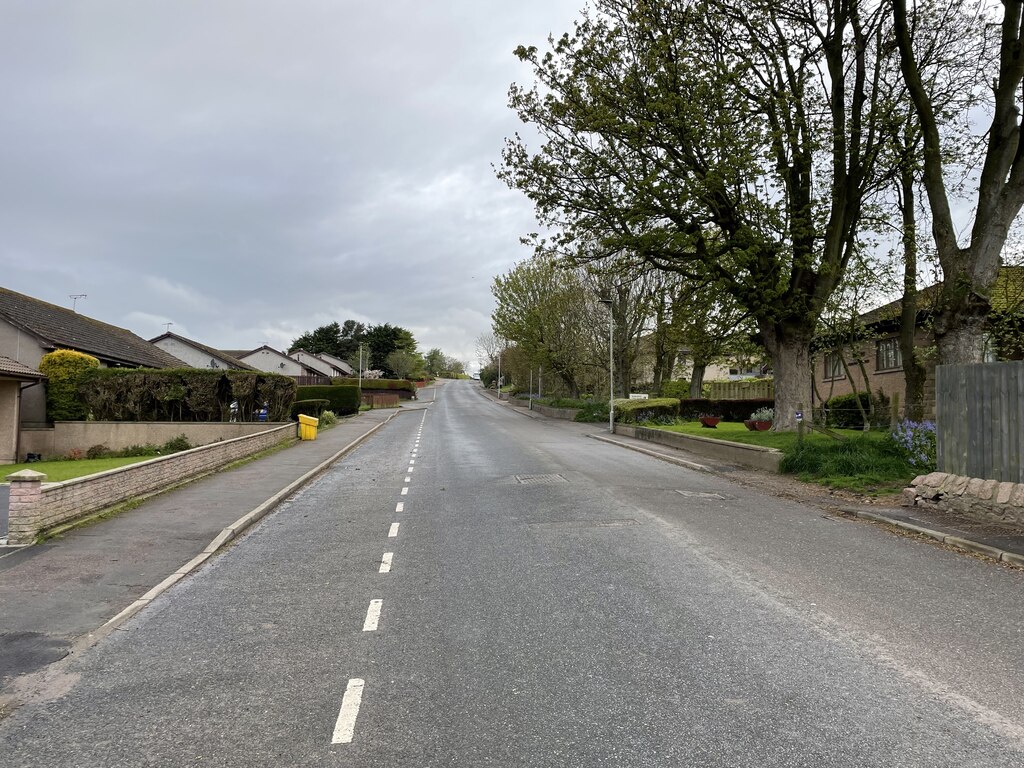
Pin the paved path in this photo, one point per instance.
(53, 593)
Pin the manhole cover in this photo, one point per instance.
(540, 479)
(704, 495)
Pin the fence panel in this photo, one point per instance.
(979, 413)
(762, 389)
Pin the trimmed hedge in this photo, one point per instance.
(843, 412)
(65, 370)
(404, 387)
(341, 398)
(185, 394)
(308, 408)
(632, 411)
(730, 410)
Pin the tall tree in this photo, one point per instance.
(382, 340)
(731, 140)
(969, 271)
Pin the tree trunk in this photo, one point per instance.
(790, 348)
(913, 371)
(697, 378)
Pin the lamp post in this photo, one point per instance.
(611, 368)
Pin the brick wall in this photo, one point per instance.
(35, 507)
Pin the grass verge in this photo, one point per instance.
(59, 471)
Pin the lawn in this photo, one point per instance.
(58, 471)
(865, 463)
(737, 433)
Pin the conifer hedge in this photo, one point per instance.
(406, 389)
(65, 370)
(342, 399)
(184, 394)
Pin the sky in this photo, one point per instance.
(249, 170)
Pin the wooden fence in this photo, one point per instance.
(762, 389)
(979, 419)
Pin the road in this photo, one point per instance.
(476, 588)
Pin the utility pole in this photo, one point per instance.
(611, 367)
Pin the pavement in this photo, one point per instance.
(78, 586)
(1001, 542)
(73, 589)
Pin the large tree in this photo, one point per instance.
(342, 341)
(969, 271)
(733, 141)
(382, 340)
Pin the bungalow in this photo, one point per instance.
(15, 378)
(318, 364)
(197, 355)
(873, 356)
(30, 328)
(342, 368)
(270, 360)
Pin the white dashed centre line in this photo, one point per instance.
(350, 702)
(412, 461)
(372, 616)
(411, 469)
(408, 479)
(400, 507)
(405, 491)
(385, 562)
(394, 530)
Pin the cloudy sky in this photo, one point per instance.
(251, 169)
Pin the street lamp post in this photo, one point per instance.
(611, 368)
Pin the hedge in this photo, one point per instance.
(632, 411)
(730, 410)
(65, 370)
(404, 387)
(842, 411)
(342, 399)
(185, 394)
(311, 407)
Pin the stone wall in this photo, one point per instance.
(985, 500)
(568, 414)
(36, 506)
(755, 456)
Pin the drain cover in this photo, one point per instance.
(703, 495)
(540, 479)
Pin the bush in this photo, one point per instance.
(842, 411)
(65, 370)
(729, 410)
(97, 451)
(176, 444)
(592, 411)
(405, 388)
(917, 441)
(678, 389)
(328, 418)
(308, 408)
(633, 411)
(343, 399)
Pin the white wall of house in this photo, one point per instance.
(320, 366)
(194, 358)
(274, 362)
(23, 347)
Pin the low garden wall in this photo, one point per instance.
(569, 414)
(66, 436)
(736, 453)
(36, 506)
(984, 500)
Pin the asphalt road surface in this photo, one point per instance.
(475, 588)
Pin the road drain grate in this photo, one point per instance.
(540, 479)
(705, 495)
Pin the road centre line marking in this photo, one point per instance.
(408, 479)
(372, 616)
(346, 724)
(412, 461)
(394, 530)
(385, 562)
(400, 507)
(411, 469)
(405, 491)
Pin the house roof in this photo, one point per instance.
(61, 328)
(337, 362)
(229, 359)
(309, 370)
(12, 369)
(308, 359)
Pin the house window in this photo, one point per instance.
(887, 355)
(834, 366)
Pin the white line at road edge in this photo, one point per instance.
(394, 530)
(385, 562)
(350, 702)
(372, 616)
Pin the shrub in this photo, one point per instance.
(763, 414)
(633, 411)
(343, 399)
(677, 389)
(97, 451)
(328, 418)
(592, 412)
(65, 370)
(308, 408)
(176, 444)
(842, 411)
(730, 410)
(75, 454)
(404, 387)
(917, 441)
